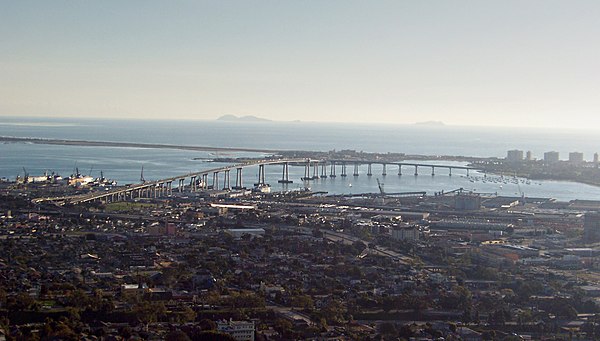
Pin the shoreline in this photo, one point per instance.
(540, 177)
(116, 144)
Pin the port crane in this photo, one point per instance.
(381, 191)
(142, 180)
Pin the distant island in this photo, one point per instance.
(431, 123)
(247, 118)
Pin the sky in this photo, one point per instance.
(498, 63)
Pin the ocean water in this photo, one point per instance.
(124, 164)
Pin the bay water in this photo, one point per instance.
(125, 164)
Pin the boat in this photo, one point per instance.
(262, 188)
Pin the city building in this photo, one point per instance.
(551, 157)
(238, 233)
(514, 155)
(591, 227)
(576, 157)
(405, 233)
(467, 202)
(239, 330)
(529, 156)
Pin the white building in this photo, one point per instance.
(240, 330)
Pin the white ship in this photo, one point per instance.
(262, 188)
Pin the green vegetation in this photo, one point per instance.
(128, 206)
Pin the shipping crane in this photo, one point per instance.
(142, 176)
(382, 191)
(25, 175)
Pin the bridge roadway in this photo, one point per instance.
(123, 192)
(160, 187)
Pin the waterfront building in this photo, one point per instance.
(529, 156)
(551, 157)
(467, 202)
(591, 227)
(514, 155)
(576, 157)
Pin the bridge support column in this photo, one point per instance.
(315, 175)
(384, 171)
(285, 175)
(238, 178)
(181, 185)
(169, 187)
(355, 170)
(306, 176)
(193, 184)
(261, 175)
(467, 171)
(332, 170)
(450, 171)
(416, 170)
(369, 173)
(323, 170)
(215, 184)
(226, 183)
(432, 171)
(343, 170)
(399, 169)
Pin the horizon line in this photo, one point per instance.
(261, 120)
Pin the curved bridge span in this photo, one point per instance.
(199, 181)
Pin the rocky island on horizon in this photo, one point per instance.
(246, 118)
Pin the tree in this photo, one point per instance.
(283, 327)
(186, 314)
(177, 335)
(212, 336)
(148, 312)
(388, 329)
(303, 301)
(334, 312)
(5, 325)
(206, 324)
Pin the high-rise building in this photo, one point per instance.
(576, 157)
(551, 157)
(528, 156)
(591, 227)
(514, 155)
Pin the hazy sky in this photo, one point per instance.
(511, 63)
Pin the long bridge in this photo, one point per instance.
(199, 181)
